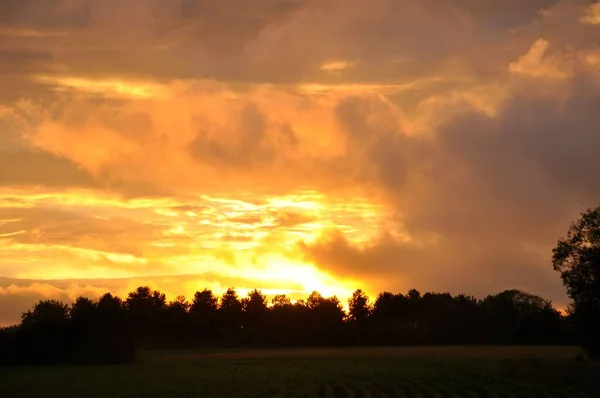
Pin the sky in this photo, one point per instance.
(293, 145)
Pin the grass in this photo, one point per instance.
(411, 372)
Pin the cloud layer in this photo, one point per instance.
(293, 145)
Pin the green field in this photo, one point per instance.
(345, 372)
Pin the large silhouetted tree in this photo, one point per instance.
(577, 258)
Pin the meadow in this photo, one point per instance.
(329, 372)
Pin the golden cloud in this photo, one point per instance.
(189, 145)
(592, 15)
(537, 63)
(337, 66)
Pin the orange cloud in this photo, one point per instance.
(592, 15)
(337, 66)
(206, 139)
(536, 63)
(16, 299)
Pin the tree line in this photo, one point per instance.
(109, 330)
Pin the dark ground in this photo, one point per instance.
(341, 372)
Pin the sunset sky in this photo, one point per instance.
(293, 145)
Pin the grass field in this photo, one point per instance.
(351, 372)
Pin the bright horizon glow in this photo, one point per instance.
(292, 146)
(177, 239)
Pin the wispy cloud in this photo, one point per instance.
(337, 66)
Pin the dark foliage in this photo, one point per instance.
(108, 330)
(89, 332)
(577, 259)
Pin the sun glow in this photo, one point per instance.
(245, 241)
(301, 277)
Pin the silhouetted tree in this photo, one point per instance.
(516, 317)
(393, 319)
(203, 313)
(280, 301)
(84, 329)
(145, 309)
(359, 312)
(325, 318)
(116, 331)
(83, 310)
(359, 308)
(286, 322)
(577, 259)
(314, 300)
(44, 333)
(386, 306)
(254, 319)
(465, 322)
(111, 312)
(176, 324)
(105, 331)
(230, 314)
(178, 308)
(7, 332)
(110, 307)
(46, 313)
(433, 318)
(255, 307)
